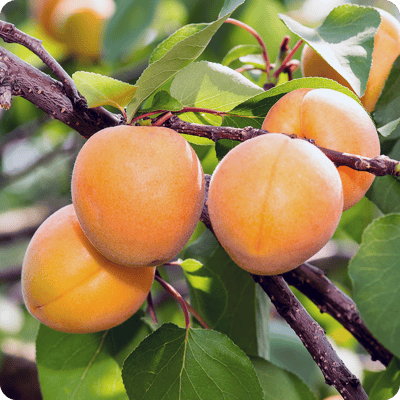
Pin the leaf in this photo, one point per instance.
(238, 320)
(73, 366)
(127, 26)
(387, 385)
(387, 107)
(178, 56)
(374, 271)
(278, 383)
(182, 33)
(207, 293)
(252, 112)
(391, 129)
(100, 90)
(345, 41)
(240, 51)
(199, 364)
(385, 193)
(224, 146)
(164, 101)
(209, 85)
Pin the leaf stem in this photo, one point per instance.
(258, 38)
(150, 308)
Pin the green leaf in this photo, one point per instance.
(385, 193)
(177, 57)
(391, 129)
(387, 108)
(238, 320)
(240, 51)
(164, 101)
(73, 366)
(278, 383)
(100, 90)
(345, 40)
(127, 26)
(182, 33)
(374, 271)
(199, 364)
(209, 85)
(252, 112)
(207, 293)
(224, 146)
(387, 385)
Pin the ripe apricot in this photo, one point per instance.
(71, 287)
(386, 50)
(335, 121)
(79, 24)
(274, 202)
(138, 193)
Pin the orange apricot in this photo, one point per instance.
(138, 193)
(274, 202)
(70, 287)
(386, 50)
(335, 397)
(335, 121)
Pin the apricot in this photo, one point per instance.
(79, 24)
(335, 121)
(274, 202)
(138, 193)
(386, 50)
(70, 287)
(335, 397)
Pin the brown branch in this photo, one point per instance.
(10, 34)
(380, 165)
(23, 80)
(312, 336)
(311, 281)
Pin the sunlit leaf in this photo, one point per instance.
(100, 90)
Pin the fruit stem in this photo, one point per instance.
(258, 38)
(170, 289)
(288, 58)
(150, 308)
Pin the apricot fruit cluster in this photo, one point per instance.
(386, 50)
(275, 201)
(137, 196)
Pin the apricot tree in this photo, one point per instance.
(310, 153)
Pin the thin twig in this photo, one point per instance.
(288, 58)
(150, 308)
(258, 38)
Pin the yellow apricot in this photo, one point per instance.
(70, 287)
(386, 50)
(335, 397)
(138, 193)
(274, 202)
(79, 24)
(335, 121)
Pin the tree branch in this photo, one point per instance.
(380, 165)
(18, 78)
(312, 336)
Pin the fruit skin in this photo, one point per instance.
(79, 24)
(386, 50)
(335, 121)
(70, 287)
(274, 202)
(138, 193)
(336, 397)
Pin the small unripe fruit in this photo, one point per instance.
(138, 193)
(386, 50)
(70, 287)
(335, 121)
(274, 202)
